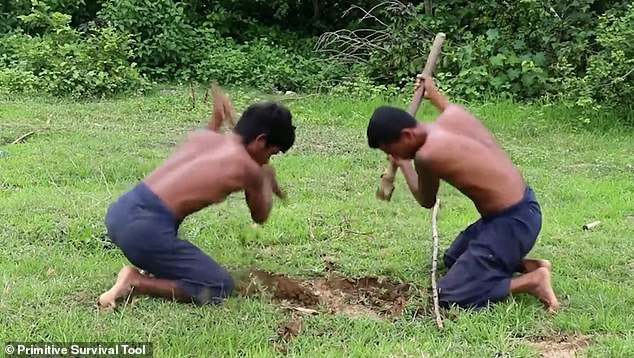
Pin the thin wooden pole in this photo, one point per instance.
(434, 263)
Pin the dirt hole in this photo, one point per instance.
(561, 346)
(367, 296)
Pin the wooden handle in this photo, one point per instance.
(430, 66)
(222, 109)
(386, 187)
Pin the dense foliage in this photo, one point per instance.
(580, 50)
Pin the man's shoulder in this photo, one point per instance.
(443, 147)
(455, 110)
(436, 140)
(246, 168)
(204, 134)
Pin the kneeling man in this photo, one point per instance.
(204, 170)
(458, 149)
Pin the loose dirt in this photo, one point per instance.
(367, 296)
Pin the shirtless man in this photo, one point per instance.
(203, 171)
(458, 149)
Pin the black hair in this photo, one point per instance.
(270, 119)
(386, 125)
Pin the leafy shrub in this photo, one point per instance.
(9, 12)
(610, 73)
(522, 49)
(64, 62)
(164, 41)
(261, 64)
(168, 47)
(490, 65)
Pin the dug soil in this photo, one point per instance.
(367, 296)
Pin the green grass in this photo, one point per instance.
(55, 260)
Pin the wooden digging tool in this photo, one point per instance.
(386, 187)
(221, 110)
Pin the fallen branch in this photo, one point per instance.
(386, 185)
(22, 137)
(434, 263)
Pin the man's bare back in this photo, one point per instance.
(204, 170)
(461, 151)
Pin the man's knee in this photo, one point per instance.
(218, 287)
(468, 287)
(134, 253)
(226, 285)
(448, 260)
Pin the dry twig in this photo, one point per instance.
(22, 137)
(434, 263)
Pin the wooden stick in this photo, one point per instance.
(386, 187)
(434, 263)
(22, 137)
(221, 110)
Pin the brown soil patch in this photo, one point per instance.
(367, 296)
(561, 346)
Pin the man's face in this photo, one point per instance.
(266, 154)
(260, 152)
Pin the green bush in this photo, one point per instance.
(493, 66)
(9, 12)
(526, 49)
(168, 47)
(164, 41)
(64, 62)
(610, 73)
(261, 64)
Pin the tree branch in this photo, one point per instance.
(434, 263)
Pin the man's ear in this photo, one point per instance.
(407, 134)
(261, 140)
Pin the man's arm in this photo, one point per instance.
(428, 182)
(421, 182)
(411, 177)
(259, 196)
(455, 117)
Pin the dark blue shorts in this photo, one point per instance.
(484, 257)
(147, 233)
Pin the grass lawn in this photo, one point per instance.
(55, 259)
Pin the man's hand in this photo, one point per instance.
(428, 84)
(431, 91)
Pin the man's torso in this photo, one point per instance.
(204, 170)
(468, 157)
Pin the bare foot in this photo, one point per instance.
(531, 265)
(544, 290)
(121, 289)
